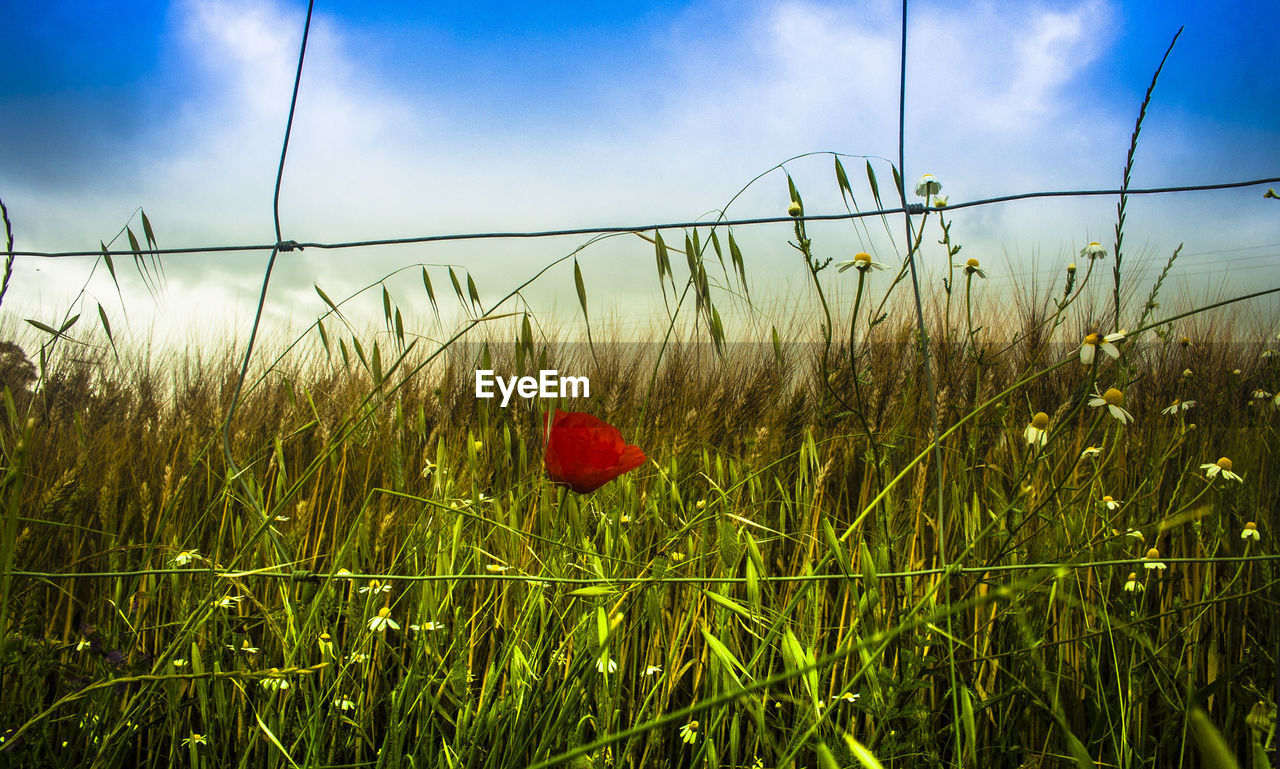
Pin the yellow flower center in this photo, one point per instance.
(1040, 421)
(1094, 244)
(1224, 463)
(862, 256)
(1153, 554)
(972, 262)
(1133, 576)
(1107, 498)
(1186, 341)
(1092, 339)
(1114, 397)
(1251, 526)
(384, 612)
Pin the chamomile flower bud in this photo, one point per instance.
(1071, 268)
(1251, 532)
(794, 210)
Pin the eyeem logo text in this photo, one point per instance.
(548, 384)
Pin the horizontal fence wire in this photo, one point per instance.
(301, 575)
(915, 209)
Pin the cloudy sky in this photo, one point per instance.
(418, 119)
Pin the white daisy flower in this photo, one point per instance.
(227, 602)
(1135, 534)
(603, 664)
(82, 645)
(971, 267)
(1221, 467)
(179, 663)
(847, 697)
(195, 739)
(1178, 405)
(941, 201)
(342, 703)
(1112, 504)
(375, 586)
(1132, 584)
(186, 556)
(496, 568)
(862, 261)
(1037, 433)
(689, 732)
(1093, 342)
(326, 645)
(653, 670)
(1091, 451)
(1093, 251)
(1261, 395)
(275, 681)
(1251, 532)
(383, 621)
(1152, 561)
(928, 186)
(1112, 399)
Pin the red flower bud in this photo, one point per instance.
(585, 453)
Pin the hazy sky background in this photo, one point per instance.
(454, 117)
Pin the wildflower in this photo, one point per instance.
(275, 681)
(228, 601)
(847, 697)
(185, 557)
(342, 574)
(653, 670)
(1135, 534)
(375, 586)
(1267, 353)
(1275, 402)
(1092, 343)
(430, 627)
(1185, 342)
(496, 568)
(342, 703)
(1132, 585)
(83, 644)
(179, 663)
(604, 663)
(383, 621)
(1261, 395)
(1071, 268)
(358, 658)
(940, 201)
(326, 645)
(1178, 405)
(1251, 532)
(861, 260)
(689, 732)
(1091, 451)
(585, 453)
(971, 268)
(1112, 399)
(427, 468)
(1037, 432)
(928, 186)
(1152, 561)
(195, 739)
(1093, 251)
(1221, 467)
(1187, 373)
(794, 210)
(1112, 504)
(245, 647)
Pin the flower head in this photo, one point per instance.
(971, 267)
(1037, 433)
(604, 663)
(1251, 532)
(1111, 504)
(1152, 561)
(847, 697)
(940, 201)
(1178, 406)
(1132, 584)
(653, 670)
(1112, 399)
(376, 586)
(342, 703)
(1093, 251)
(195, 739)
(794, 210)
(862, 261)
(1091, 451)
(1221, 467)
(187, 556)
(689, 732)
(585, 453)
(326, 645)
(1093, 342)
(383, 621)
(1071, 268)
(928, 186)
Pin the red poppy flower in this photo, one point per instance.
(585, 453)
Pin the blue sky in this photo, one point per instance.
(426, 118)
